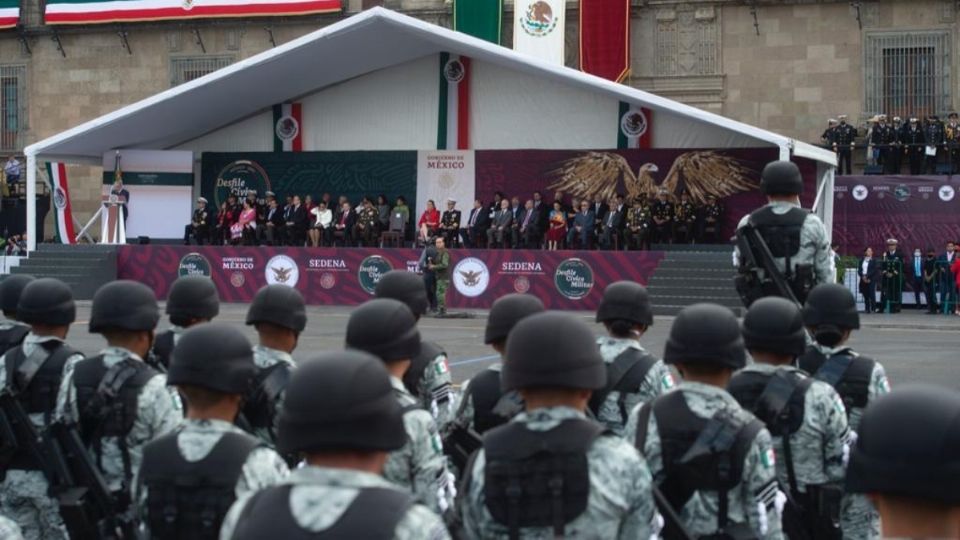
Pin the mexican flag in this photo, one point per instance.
(479, 18)
(9, 13)
(287, 128)
(453, 124)
(62, 216)
(635, 126)
(112, 11)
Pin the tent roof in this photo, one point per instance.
(372, 40)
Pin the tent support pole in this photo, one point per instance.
(31, 202)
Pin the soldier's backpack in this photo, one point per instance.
(847, 373)
(624, 375)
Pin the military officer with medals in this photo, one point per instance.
(450, 223)
(663, 217)
(199, 227)
(686, 220)
(637, 232)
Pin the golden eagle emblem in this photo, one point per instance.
(282, 275)
(702, 174)
(471, 279)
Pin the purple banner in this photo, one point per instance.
(919, 211)
(569, 280)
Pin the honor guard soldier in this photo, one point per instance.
(686, 220)
(791, 238)
(634, 376)
(550, 472)
(951, 135)
(31, 374)
(830, 315)
(343, 417)
(896, 156)
(637, 232)
(12, 331)
(914, 141)
(189, 477)
(844, 140)
(484, 404)
(710, 216)
(829, 134)
(450, 223)
(429, 375)
(192, 300)
(387, 329)
(279, 314)
(199, 227)
(891, 278)
(712, 459)
(907, 460)
(934, 133)
(662, 212)
(885, 138)
(119, 402)
(805, 416)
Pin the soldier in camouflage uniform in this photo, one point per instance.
(440, 266)
(189, 477)
(634, 376)
(365, 229)
(830, 314)
(32, 372)
(674, 433)
(484, 404)
(279, 314)
(12, 331)
(341, 413)
(806, 417)
(387, 329)
(637, 232)
(192, 300)
(552, 361)
(428, 378)
(116, 420)
(9, 530)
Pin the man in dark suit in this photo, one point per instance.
(274, 225)
(583, 224)
(599, 209)
(500, 226)
(343, 225)
(869, 273)
(450, 223)
(527, 233)
(475, 229)
(948, 283)
(542, 214)
(297, 222)
(121, 191)
(930, 280)
(612, 223)
(516, 212)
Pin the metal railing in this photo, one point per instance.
(907, 73)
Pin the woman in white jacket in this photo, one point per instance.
(320, 229)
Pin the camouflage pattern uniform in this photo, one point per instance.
(196, 439)
(23, 494)
(436, 391)
(321, 495)
(858, 518)
(265, 357)
(441, 267)
(754, 501)
(620, 504)
(814, 246)
(822, 443)
(158, 411)
(465, 412)
(658, 380)
(420, 465)
(640, 217)
(9, 530)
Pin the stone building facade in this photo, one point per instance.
(783, 65)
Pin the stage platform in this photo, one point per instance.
(570, 280)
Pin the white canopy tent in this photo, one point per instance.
(375, 40)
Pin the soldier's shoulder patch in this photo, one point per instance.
(768, 458)
(440, 365)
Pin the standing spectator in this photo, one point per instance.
(935, 142)
(955, 270)
(321, 229)
(427, 256)
(429, 221)
(868, 272)
(916, 268)
(542, 212)
(930, 280)
(558, 226)
(383, 213)
(891, 281)
(582, 229)
(124, 196)
(12, 170)
(844, 139)
(450, 223)
(948, 289)
(884, 138)
(951, 136)
(222, 227)
(500, 225)
(896, 156)
(477, 224)
(914, 142)
(829, 134)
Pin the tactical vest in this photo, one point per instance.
(624, 375)
(849, 375)
(36, 384)
(12, 337)
(781, 232)
(162, 348)
(188, 500)
(260, 407)
(698, 454)
(107, 402)
(374, 514)
(485, 392)
(538, 478)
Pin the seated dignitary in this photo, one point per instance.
(907, 460)
(192, 300)
(484, 404)
(634, 376)
(805, 416)
(189, 477)
(12, 331)
(550, 472)
(712, 459)
(387, 329)
(343, 417)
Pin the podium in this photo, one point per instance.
(112, 226)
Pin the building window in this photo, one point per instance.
(185, 69)
(13, 107)
(907, 73)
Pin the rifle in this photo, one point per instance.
(673, 528)
(20, 435)
(748, 239)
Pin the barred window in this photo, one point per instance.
(187, 68)
(907, 73)
(13, 107)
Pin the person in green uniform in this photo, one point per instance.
(441, 267)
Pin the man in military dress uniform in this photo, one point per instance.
(636, 234)
(951, 136)
(891, 278)
(828, 135)
(934, 133)
(342, 416)
(190, 476)
(709, 221)
(12, 331)
(844, 140)
(896, 156)
(450, 223)
(192, 300)
(885, 138)
(806, 417)
(365, 228)
(31, 373)
(914, 141)
(712, 459)
(387, 329)
(199, 227)
(686, 220)
(662, 213)
(510, 484)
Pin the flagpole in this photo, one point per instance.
(31, 202)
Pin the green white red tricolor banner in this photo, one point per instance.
(9, 13)
(62, 215)
(287, 127)
(98, 11)
(453, 121)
